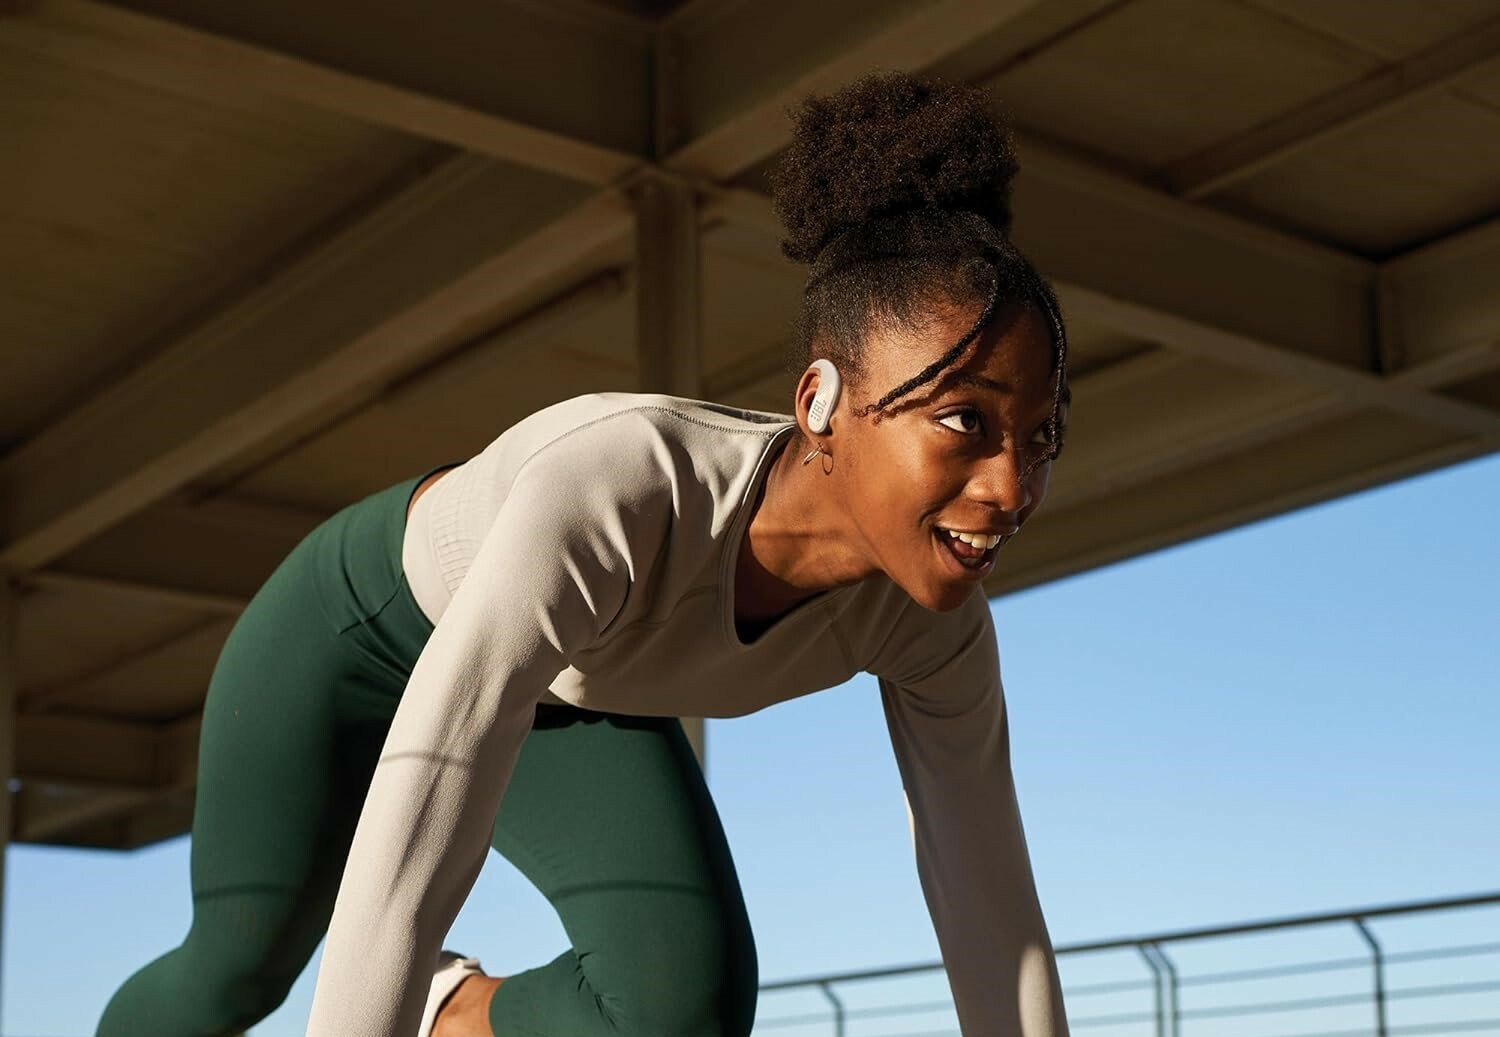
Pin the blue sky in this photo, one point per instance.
(1301, 715)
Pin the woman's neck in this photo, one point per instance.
(796, 543)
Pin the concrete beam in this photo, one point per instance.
(745, 373)
(221, 605)
(47, 815)
(733, 68)
(47, 699)
(1100, 231)
(1161, 412)
(1440, 304)
(705, 86)
(473, 359)
(1227, 290)
(454, 71)
(199, 550)
(210, 555)
(233, 527)
(1354, 388)
(1230, 161)
(155, 765)
(433, 265)
(91, 753)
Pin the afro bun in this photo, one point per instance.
(887, 144)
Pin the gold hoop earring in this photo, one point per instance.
(827, 465)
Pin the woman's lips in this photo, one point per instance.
(973, 563)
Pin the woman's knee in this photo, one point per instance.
(244, 1000)
(714, 1013)
(690, 990)
(193, 990)
(239, 981)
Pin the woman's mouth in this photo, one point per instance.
(972, 553)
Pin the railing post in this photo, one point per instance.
(1364, 930)
(1172, 973)
(1145, 952)
(838, 1009)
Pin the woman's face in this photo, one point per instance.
(950, 456)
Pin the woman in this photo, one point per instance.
(528, 622)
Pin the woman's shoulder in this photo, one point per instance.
(617, 426)
(919, 643)
(637, 444)
(654, 462)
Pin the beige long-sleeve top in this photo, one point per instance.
(588, 556)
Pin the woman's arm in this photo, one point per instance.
(550, 575)
(947, 725)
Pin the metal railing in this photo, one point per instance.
(1161, 990)
(1293, 998)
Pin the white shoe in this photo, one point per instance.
(452, 970)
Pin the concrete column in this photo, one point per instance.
(668, 285)
(669, 300)
(7, 732)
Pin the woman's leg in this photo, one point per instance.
(280, 784)
(297, 711)
(610, 818)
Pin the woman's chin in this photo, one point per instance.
(942, 596)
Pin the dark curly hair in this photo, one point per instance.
(897, 190)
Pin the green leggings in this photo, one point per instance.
(607, 815)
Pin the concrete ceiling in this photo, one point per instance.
(261, 259)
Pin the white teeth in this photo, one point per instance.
(978, 540)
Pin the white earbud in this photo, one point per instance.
(826, 397)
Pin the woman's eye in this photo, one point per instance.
(965, 421)
(1044, 442)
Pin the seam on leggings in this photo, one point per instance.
(400, 572)
(400, 582)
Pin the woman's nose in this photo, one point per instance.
(1000, 482)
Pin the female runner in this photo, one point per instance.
(530, 621)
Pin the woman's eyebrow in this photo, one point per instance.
(976, 381)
